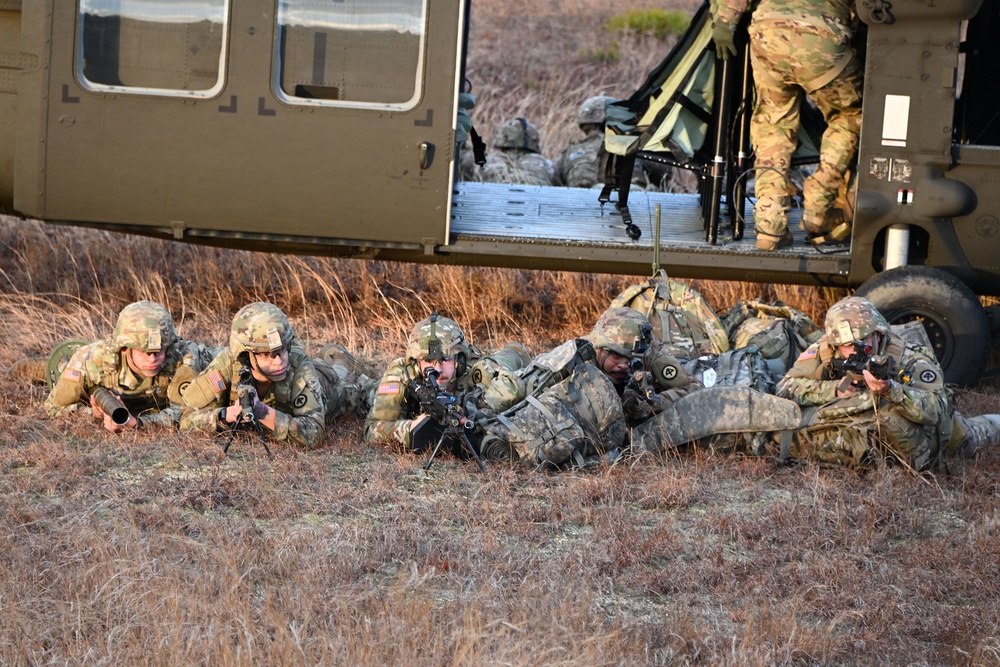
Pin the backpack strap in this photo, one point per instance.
(727, 365)
(478, 147)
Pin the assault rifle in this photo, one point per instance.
(444, 409)
(108, 402)
(641, 381)
(246, 391)
(851, 369)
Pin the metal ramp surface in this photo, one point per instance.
(573, 216)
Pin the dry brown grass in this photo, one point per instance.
(154, 549)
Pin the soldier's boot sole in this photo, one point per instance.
(982, 431)
(338, 357)
(34, 370)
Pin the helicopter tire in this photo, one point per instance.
(951, 313)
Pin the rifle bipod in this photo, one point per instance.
(260, 432)
(458, 432)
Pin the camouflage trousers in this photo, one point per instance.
(789, 59)
(858, 438)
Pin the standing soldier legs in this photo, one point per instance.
(840, 103)
(774, 131)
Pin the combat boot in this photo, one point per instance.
(358, 396)
(980, 432)
(773, 241)
(832, 227)
(33, 369)
(770, 215)
(348, 367)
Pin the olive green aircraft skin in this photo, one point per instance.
(244, 166)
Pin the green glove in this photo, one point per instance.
(722, 35)
(463, 126)
(466, 101)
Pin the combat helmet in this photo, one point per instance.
(144, 325)
(623, 331)
(518, 133)
(435, 338)
(853, 318)
(594, 110)
(259, 327)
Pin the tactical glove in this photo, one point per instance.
(722, 35)
(466, 102)
(635, 406)
(259, 410)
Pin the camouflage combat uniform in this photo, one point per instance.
(914, 422)
(575, 412)
(796, 47)
(153, 401)
(483, 383)
(517, 158)
(307, 398)
(581, 163)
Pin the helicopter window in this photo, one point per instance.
(152, 46)
(355, 53)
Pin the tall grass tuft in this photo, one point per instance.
(658, 23)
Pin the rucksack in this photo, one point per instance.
(680, 316)
(574, 422)
(742, 367)
(780, 333)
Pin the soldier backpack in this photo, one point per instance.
(680, 316)
(742, 367)
(780, 333)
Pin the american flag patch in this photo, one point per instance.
(388, 388)
(71, 374)
(218, 384)
(808, 354)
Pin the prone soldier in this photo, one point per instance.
(583, 396)
(476, 385)
(866, 395)
(264, 377)
(133, 378)
(518, 157)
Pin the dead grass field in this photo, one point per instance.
(154, 549)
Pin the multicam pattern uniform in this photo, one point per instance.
(298, 399)
(797, 46)
(913, 421)
(489, 380)
(580, 164)
(153, 401)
